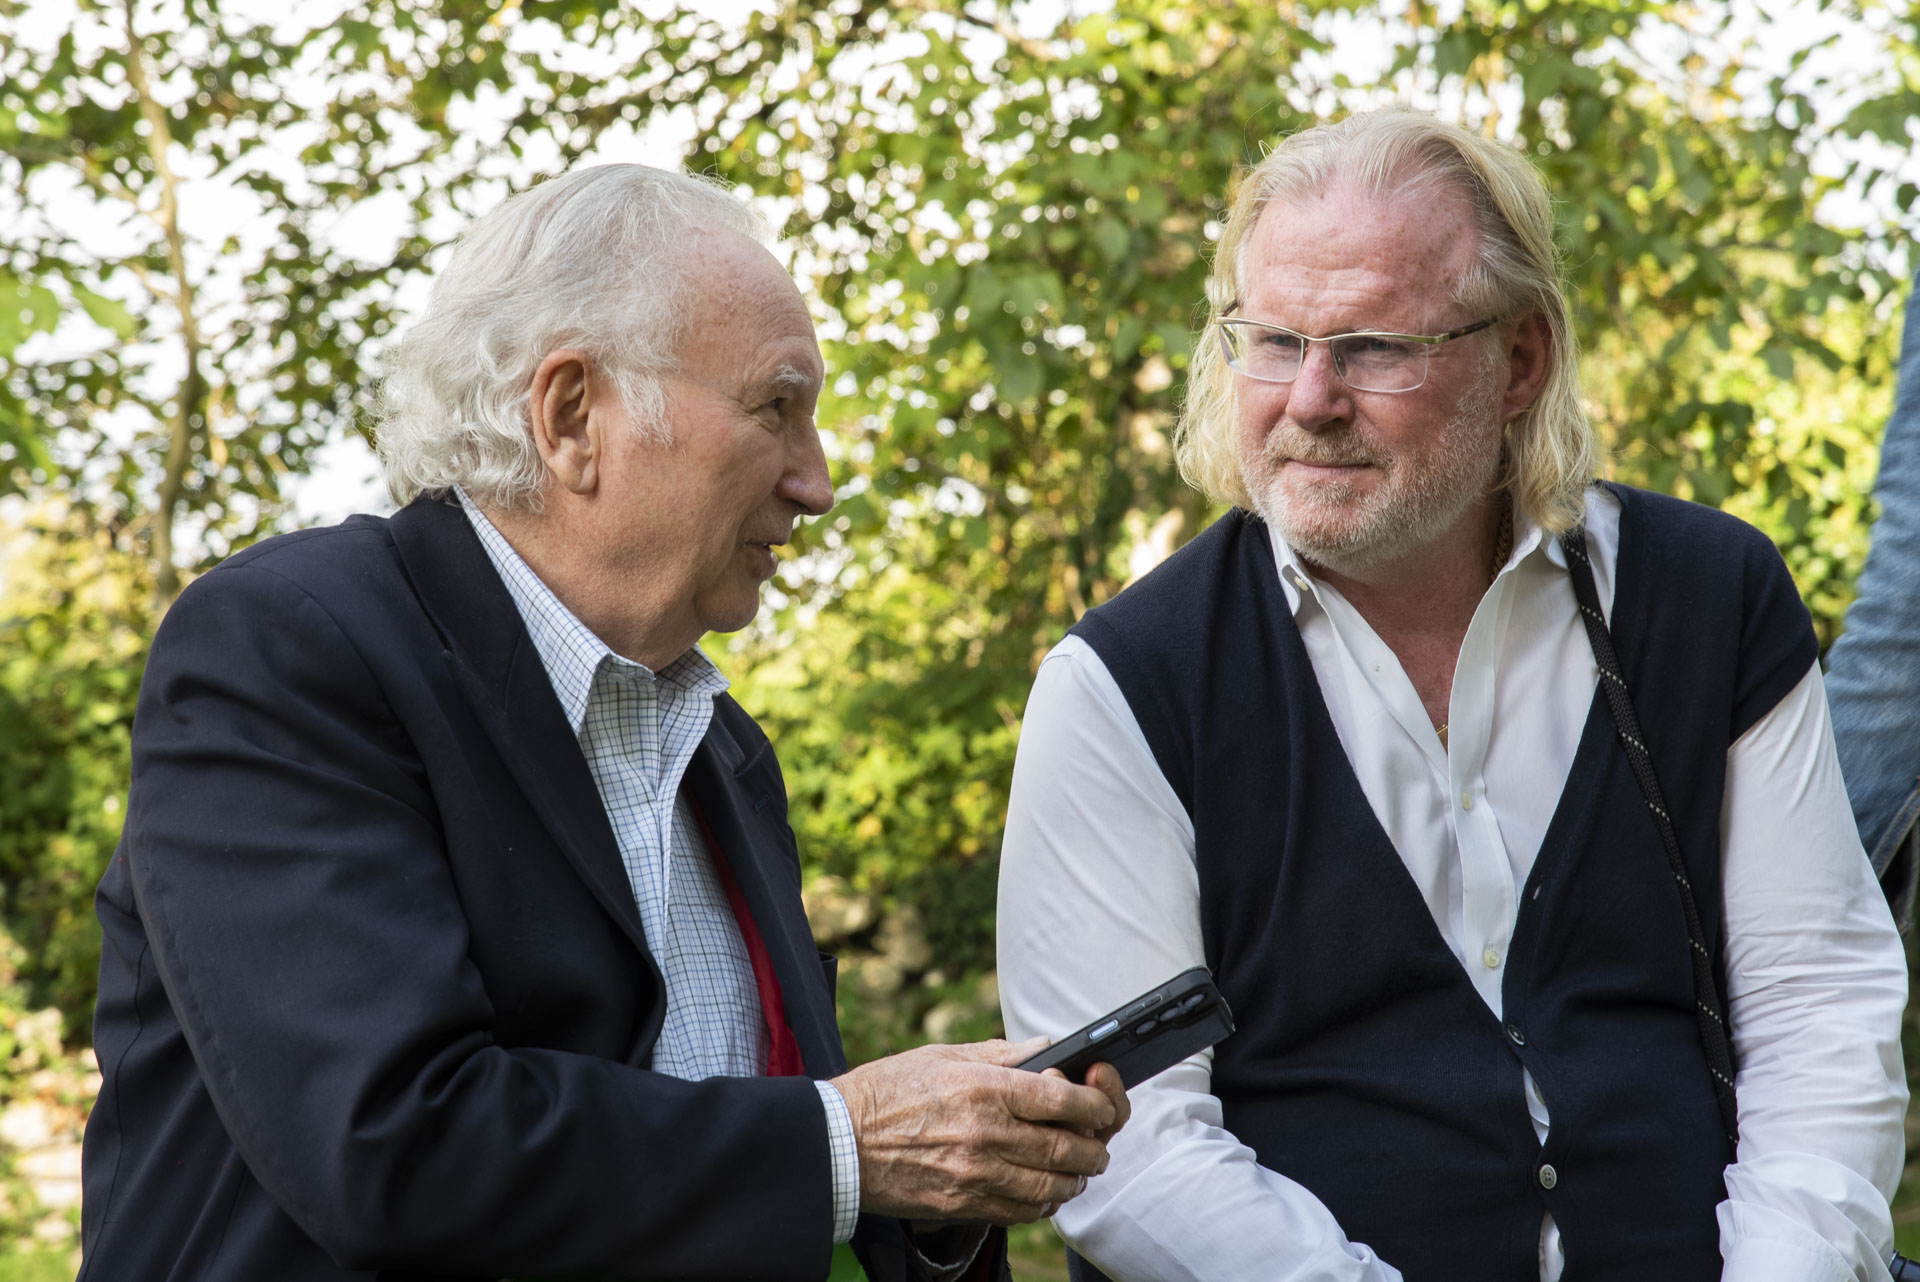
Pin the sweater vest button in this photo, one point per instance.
(1548, 1177)
(1518, 1038)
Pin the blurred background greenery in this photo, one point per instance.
(213, 212)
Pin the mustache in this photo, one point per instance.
(1326, 450)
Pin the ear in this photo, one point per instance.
(1529, 359)
(559, 413)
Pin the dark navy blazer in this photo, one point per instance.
(375, 1000)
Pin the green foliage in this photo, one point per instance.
(1014, 243)
(222, 330)
(73, 623)
(35, 1265)
(44, 1097)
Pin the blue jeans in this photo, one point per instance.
(1873, 670)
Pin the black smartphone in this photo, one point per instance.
(1147, 1035)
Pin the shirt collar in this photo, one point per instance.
(569, 650)
(1550, 548)
(1297, 581)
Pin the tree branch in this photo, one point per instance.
(188, 404)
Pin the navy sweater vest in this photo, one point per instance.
(1365, 1066)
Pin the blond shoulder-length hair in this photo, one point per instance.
(1550, 453)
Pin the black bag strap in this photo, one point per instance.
(1706, 986)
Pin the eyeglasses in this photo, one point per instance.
(1367, 361)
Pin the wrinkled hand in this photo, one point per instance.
(957, 1133)
(1105, 1078)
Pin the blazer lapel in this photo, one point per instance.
(741, 800)
(498, 670)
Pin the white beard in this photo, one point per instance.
(1419, 495)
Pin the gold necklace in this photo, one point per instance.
(1502, 549)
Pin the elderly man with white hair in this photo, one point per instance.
(456, 930)
(1503, 806)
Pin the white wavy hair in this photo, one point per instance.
(1551, 453)
(593, 259)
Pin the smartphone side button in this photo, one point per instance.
(1103, 1030)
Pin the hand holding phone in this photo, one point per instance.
(1147, 1035)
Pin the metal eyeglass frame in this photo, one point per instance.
(1228, 321)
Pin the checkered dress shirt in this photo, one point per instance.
(638, 730)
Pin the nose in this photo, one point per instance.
(1318, 397)
(804, 482)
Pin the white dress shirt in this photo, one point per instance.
(1099, 900)
(638, 730)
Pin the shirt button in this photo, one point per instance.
(1491, 957)
(1466, 801)
(1548, 1177)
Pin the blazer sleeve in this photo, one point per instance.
(286, 857)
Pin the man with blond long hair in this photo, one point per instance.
(1531, 982)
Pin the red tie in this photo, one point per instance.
(783, 1052)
